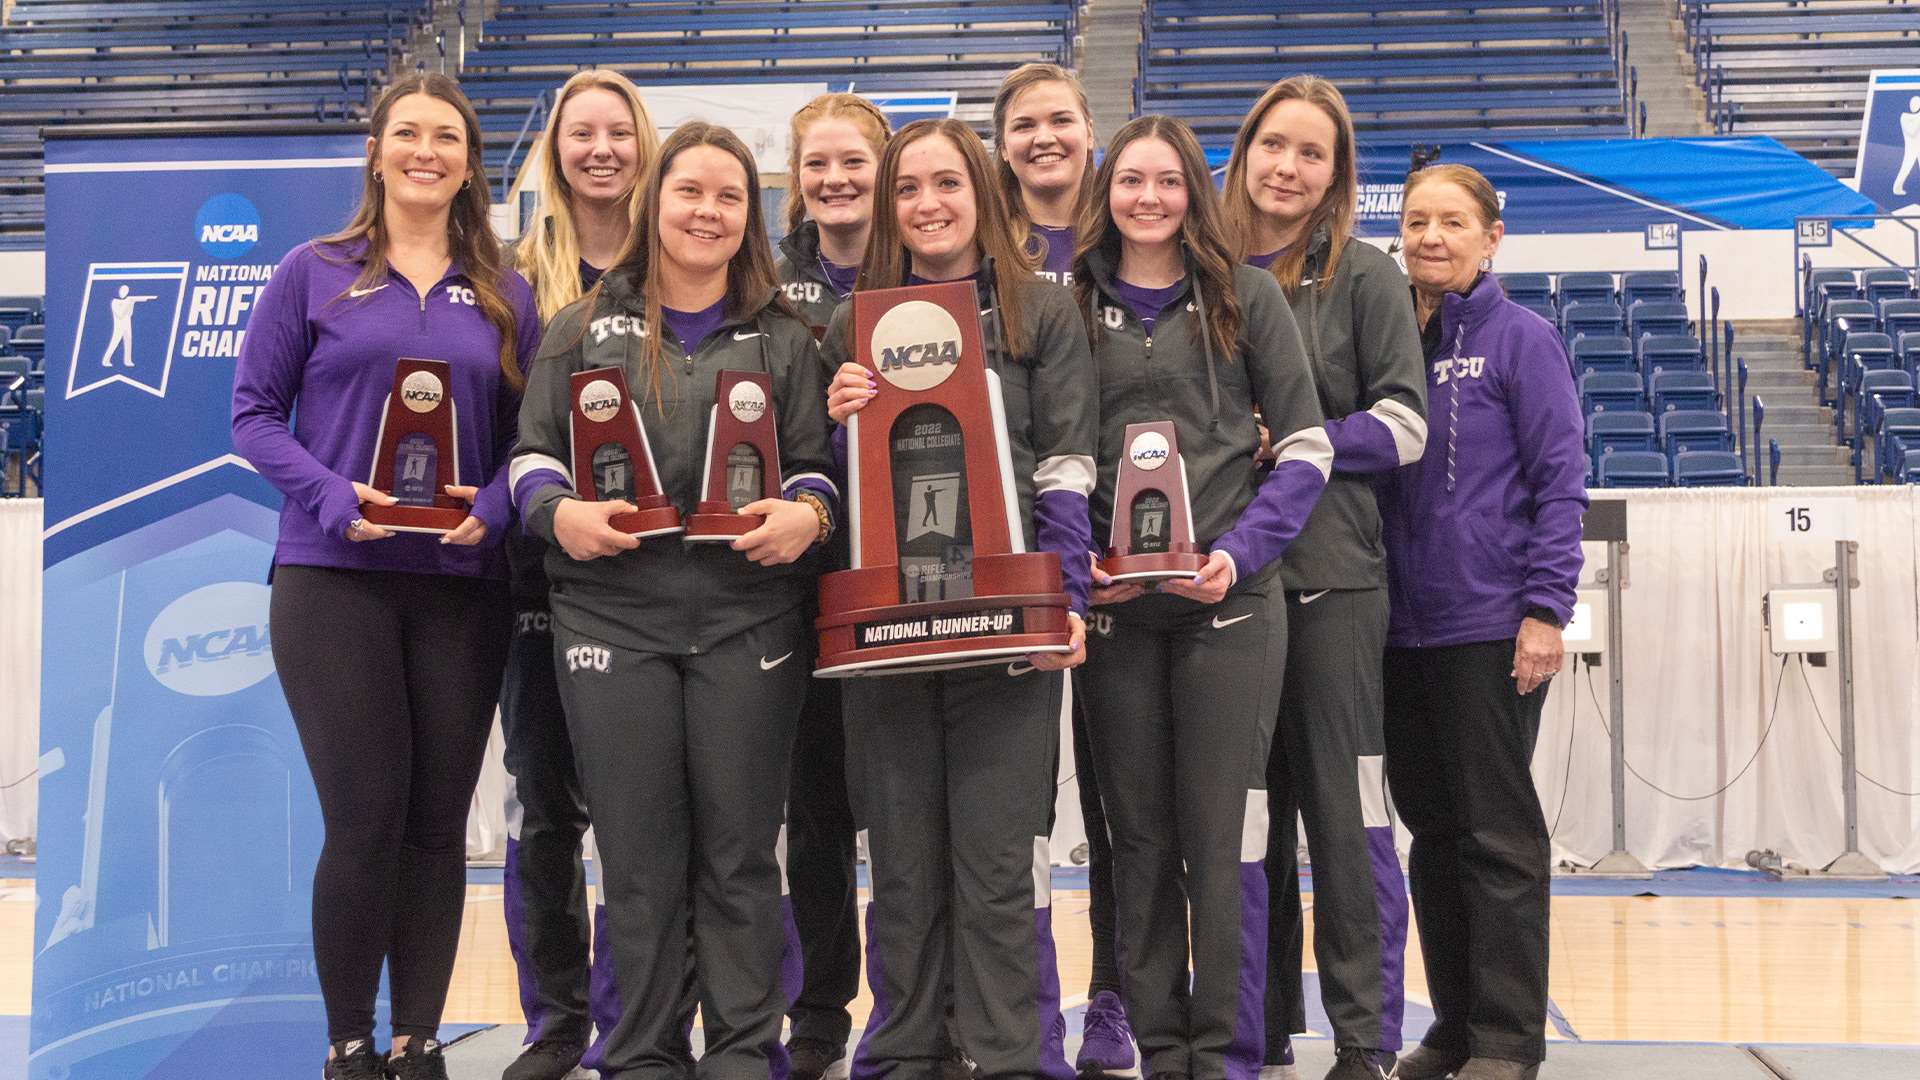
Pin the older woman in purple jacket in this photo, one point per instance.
(1483, 553)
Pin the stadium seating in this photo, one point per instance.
(1605, 391)
(1609, 433)
(1594, 318)
(1602, 352)
(1635, 469)
(1899, 436)
(30, 341)
(1709, 468)
(1797, 69)
(1670, 352)
(1585, 287)
(256, 62)
(1682, 390)
(1650, 286)
(963, 46)
(1412, 71)
(1693, 430)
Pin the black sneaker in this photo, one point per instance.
(816, 1059)
(1353, 1063)
(421, 1060)
(354, 1059)
(1423, 1062)
(546, 1059)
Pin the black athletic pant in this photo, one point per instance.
(953, 779)
(1180, 714)
(820, 870)
(684, 762)
(391, 679)
(1327, 768)
(1459, 742)
(546, 890)
(1100, 916)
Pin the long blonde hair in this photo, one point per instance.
(549, 254)
(750, 276)
(1210, 257)
(852, 108)
(1336, 210)
(1023, 78)
(885, 265)
(470, 239)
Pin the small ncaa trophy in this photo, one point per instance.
(1152, 533)
(416, 457)
(611, 458)
(940, 577)
(743, 458)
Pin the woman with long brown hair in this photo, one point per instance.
(953, 771)
(680, 661)
(1289, 193)
(1183, 682)
(389, 646)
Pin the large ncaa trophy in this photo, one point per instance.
(743, 458)
(611, 457)
(1152, 533)
(941, 577)
(416, 456)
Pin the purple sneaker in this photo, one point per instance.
(1106, 1042)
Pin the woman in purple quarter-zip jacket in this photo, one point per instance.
(1483, 553)
(389, 646)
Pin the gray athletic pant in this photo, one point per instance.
(1180, 716)
(952, 780)
(684, 761)
(1328, 767)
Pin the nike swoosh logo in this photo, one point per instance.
(355, 294)
(1308, 598)
(738, 336)
(1018, 668)
(769, 665)
(986, 311)
(1222, 624)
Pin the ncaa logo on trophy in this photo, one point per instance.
(917, 345)
(129, 322)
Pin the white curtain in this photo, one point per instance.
(19, 666)
(1700, 693)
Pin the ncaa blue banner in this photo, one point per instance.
(1888, 166)
(178, 826)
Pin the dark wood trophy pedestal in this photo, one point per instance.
(743, 458)
(611, 458)
(1152, 534)
(416, 456)
(941, 578)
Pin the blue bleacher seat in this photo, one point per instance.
(1635, 469)
(1867, 350)
(1878, 391)
(30, 341)
(1675, 391)
(1899, 316)
(1693, 430)
(1910, 467)
(1593, 317)
(1709, 468)
(1526, 289)
(14, 371)
(1602, 352)
(1898, 435)
(1817, 281)
(14, 316)
(1586, 288)
(1885, 283)
(1608, 391)
(1906, 349)
(1610, 433)
(6, 339)
(1542, 308)
(1657, 317)
(1649, 285)
(1670, 352)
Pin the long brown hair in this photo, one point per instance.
(470, 239)
(1210, 257)
(1023, 78)
(549, 254)
(750, 277)
(852, 108)
(1336, 209)
(887, 259)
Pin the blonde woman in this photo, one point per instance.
(598, 142)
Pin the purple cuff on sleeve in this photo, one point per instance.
(1275, 516)
(491, 504)
(338, 508)
(1061, 525)
(1362, 444)
(530, 485)
(839, 442)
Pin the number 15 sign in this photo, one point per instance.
(1828, 519)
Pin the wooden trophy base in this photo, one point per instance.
(1017, 609)
(715, 523)
(444, 516)
(656, 517)
(1162, 566)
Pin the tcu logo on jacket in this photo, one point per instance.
(1459, 367)
(1112, 316)
(803, 292)
(588, 658)
(608, 325)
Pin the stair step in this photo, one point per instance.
(1814, 475)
